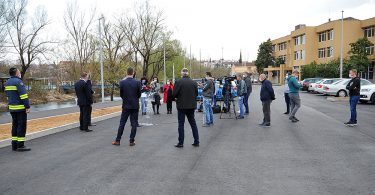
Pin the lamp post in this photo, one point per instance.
(101, 57)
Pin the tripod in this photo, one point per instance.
(227, 102)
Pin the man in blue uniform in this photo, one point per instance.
(84, 96)
(130, 92)
(19, 106)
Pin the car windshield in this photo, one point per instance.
(365, 82)
(339, 82)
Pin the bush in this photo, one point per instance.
(328, 70)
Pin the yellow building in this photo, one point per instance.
(321, 44)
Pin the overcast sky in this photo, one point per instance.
(210, 25)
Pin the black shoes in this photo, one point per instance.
(86, 130)
(132, 144)
(293, 119)
(351, 124)
(286, 112)
(195, 144)
(92, 125)
(265, 125)
(23, 149)
(240, 117)
(179, 145)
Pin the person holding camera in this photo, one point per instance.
(208, 93)
(267, 95)
(241, 92)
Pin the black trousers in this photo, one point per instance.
(169, 105)
(267, 111)
(133, 113)
(19, 124)
(157, 106)
(90, 112)
(84, 117)
(189, 113)
(287, 102)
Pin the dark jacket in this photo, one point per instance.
(354, 86)
(130, 92)
(83, 92)
(209, 89)
(18, 99)
(248, 84)
(89, 84)
(186, 92)
(266, 91)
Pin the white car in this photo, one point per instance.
(312, 85)
(368, 94)
(320, 87)
(338, 88)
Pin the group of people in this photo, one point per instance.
(184, 92)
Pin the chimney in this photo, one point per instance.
(329, 19)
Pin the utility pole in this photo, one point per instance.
(173, 78)
(101, 57)
(191, 71)
(222, 56)
(200, 62)
(342, 43)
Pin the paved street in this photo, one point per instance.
(318, 155)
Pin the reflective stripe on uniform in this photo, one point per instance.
(21, 139)
(24, 96)
(16, 107)
(14, 138)
(10, 88)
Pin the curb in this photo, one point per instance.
(35, 135)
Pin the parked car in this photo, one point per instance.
(368, 94)
(306, 83)
(338, 88)
(324, 82)
(312, 85)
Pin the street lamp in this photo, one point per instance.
(341, 43)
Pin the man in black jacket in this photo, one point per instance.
(84, 102)
(89, 84)
(354, 87)
(185, 92)
(130, 92)
(247, 80)
(267, 95)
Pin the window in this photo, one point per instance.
(329, 52)
(330, 35)
(282, 46)
(321, 53)
(369, 32)
(302, 54)
(296, 41)
(273, 48)
(370, 50)
(322, 36)
(295, 55)
(303, 39)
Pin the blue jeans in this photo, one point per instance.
(208, 113)
(144, 104)
(353, 101)
(241, 105)
(189, 113)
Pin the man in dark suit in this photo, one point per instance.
(185, 93)
(130, 92)
(84, 102)
(89, 84)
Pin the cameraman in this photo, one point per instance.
(241, 91)
(208, 92)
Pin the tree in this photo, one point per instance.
(4, 20)
(145, 31)
(78, 26)
(279, 61)
(264, 58)
(25, 38)
(358, 54)
(116, 54)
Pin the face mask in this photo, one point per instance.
(155, 80)
(143, 81)
(168, 83)
(350, 76)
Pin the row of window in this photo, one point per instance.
(325, 36)
(282, 46)
(369, 32)
(325, 52)
(300, 40)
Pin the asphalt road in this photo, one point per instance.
(318, 155)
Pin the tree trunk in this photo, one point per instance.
(112, 91)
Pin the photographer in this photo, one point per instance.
(208, 92)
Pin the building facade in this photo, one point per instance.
(321, 44)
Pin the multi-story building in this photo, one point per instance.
(321, 44)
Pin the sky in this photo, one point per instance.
(215, 27)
